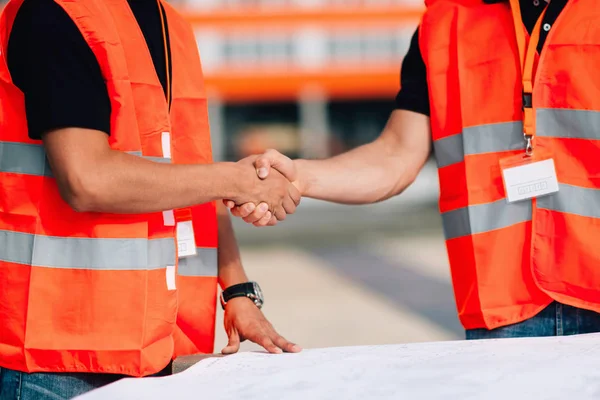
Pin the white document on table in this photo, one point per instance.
(515, 369)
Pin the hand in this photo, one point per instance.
(243, 320)
(274, 195)
(258, 216)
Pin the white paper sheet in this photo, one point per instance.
(504, 369)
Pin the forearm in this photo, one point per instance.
(367, 174)
(375, 171)
(123, 183)
(231, 271)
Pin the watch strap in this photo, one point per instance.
(240, 290)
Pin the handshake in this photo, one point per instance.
(270, 189)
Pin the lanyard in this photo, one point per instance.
(526, 58)
(167, 58)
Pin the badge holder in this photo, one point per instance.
(186, 240)
(530, 174)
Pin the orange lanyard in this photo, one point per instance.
(526, 58)
(167, 58)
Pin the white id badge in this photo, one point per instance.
(186, 243)
(526, 177)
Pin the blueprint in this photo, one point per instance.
(528, 368)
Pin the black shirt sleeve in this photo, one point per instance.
(51, 63)
(414, 92)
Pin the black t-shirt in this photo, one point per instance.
(51, 63)
(414, 95)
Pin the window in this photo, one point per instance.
(257, 49)
(368, 45)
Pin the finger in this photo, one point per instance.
(273, 221)
(264, 220)
(260, 212)
(238, 211)
(243, 211)
(274, 159)
(280, 213)
(229, 204)
(234, 343)
(284, 344)
(263, 166)
(289, 205)
(246, 209)
(268, 344)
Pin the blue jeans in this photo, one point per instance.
(555, 320)
(15, 385)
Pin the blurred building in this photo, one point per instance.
(311, 78)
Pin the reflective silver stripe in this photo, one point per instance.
(30, 159)
(24, 158)
(449, 150)
(484, 218)
(151, 158)
(204, 263)
(493, 138)
(568, 124)
(479, 140)
(573, 200)
(86, 253)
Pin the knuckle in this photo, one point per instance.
(276, 338)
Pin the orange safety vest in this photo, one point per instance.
(97, 292)
(510, 260)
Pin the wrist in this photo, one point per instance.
(237, 300)
(304, 181)
(231, 277)
(236, 179)
(249, 290)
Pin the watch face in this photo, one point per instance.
(259, 295)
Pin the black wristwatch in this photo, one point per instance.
(250, 290)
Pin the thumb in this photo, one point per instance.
(263, 166)
(234, 343)
(274, 159)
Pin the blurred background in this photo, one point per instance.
(313, 78)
